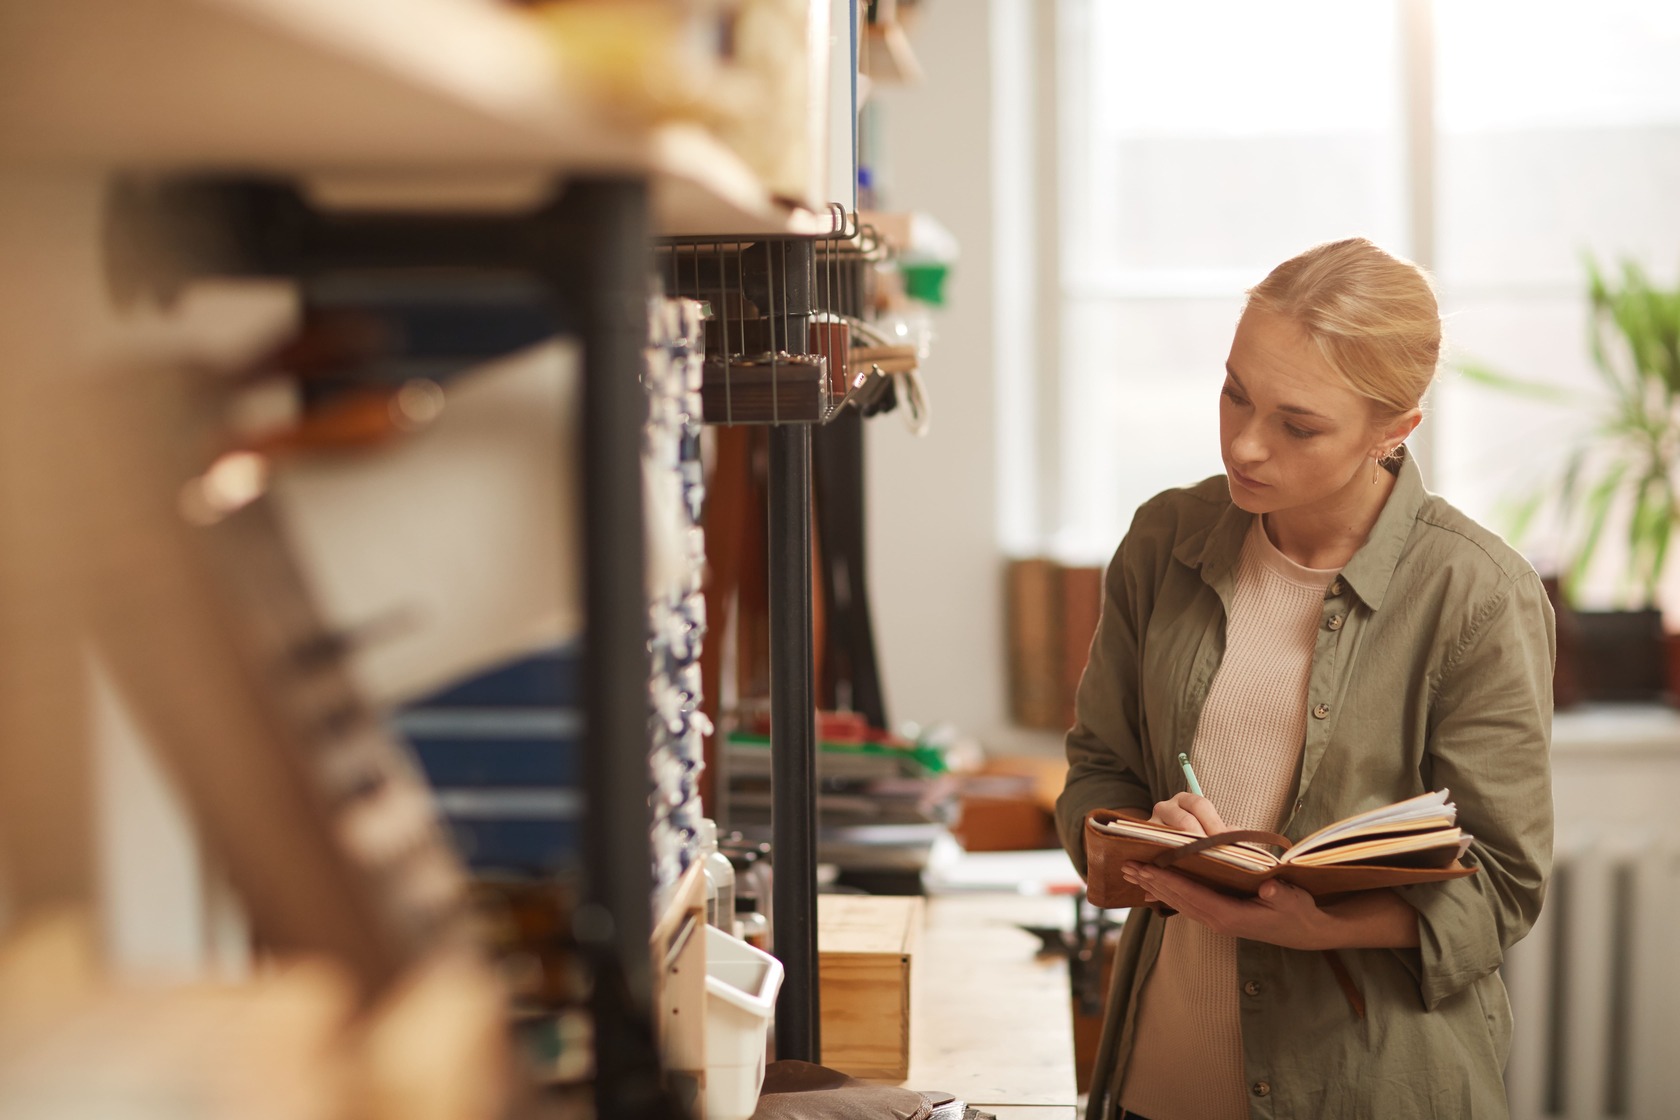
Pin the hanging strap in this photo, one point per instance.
(1344, 981)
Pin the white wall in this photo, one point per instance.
(936, 568)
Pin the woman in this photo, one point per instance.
(1322, 636)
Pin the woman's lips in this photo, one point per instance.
(1247, 482)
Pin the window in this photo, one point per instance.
(1194, 160)
(1193, 163)
(1555, 137)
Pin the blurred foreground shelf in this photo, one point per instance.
(423, 102)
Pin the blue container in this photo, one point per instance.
(546, 680)
(495, 747)
(502, 753)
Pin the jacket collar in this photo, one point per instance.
(1214, 549)
(1372, 567)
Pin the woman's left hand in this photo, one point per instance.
(1280, 914)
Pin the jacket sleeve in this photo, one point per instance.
(1490, 747)
(1104, 751)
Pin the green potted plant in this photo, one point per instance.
(1620, 482)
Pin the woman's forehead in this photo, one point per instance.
(1272, 356)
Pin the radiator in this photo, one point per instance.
(1595, 988)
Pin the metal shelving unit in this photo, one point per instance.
(768, 293)
(424, 121)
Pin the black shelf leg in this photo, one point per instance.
(793, 743)
(602, 280)
(608, 298)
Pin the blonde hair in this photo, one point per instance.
(1372, 315)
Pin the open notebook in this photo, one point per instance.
(1413, 841)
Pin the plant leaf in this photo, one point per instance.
(1670, 516)
(1624, 471)
(1504, 382)
(1519, 517)
(1599, 502)
(1647, 529)
(1601, 309)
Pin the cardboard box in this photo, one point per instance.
(992, 823)
(865, 951)
(1009, 804)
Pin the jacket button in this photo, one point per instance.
(1336, 587)
(1262, 1088)
(1321, 712)
(1252, 988)
(1335, 622)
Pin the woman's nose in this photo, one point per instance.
(1248, 447)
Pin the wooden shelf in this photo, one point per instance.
(459, 91)
(891, 60)
(678, 947)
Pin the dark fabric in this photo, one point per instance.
(805, 1091)
(848, 660)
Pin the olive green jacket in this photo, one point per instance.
(1432, 668)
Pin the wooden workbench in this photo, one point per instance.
(990, 1020)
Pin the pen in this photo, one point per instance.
(1189, 774)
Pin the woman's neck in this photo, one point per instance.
(1327, 534)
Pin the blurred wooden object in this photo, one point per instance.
(1052, 611)
(211, 635)
(679, 971)
(437, 1048)
(432, 103)
(887, 56)
(463, 537)
(47, 838)
(866, 948)
(283, 1045)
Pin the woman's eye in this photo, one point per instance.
(1299, 433)
(1235, 396)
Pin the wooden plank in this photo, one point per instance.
(867, 924)
(678, 949)
(47, 794)
(992, 1020)
(387, 103)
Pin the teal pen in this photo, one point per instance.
(1189, 774)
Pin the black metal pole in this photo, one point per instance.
(602, 276)
(793, 744)
(609, 222)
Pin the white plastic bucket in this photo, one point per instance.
(741, 987)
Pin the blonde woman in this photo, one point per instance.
(1321, 636)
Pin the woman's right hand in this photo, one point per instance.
(1188, 812)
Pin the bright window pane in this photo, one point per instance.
(1559, 136)
(1204, 144)
(1146, 414)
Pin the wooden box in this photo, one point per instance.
(678, 949)
(865, 947)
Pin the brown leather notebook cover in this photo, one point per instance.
(1105, 852)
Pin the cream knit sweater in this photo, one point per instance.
(1187, 1061)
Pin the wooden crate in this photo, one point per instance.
(678, 948)
(865, 947)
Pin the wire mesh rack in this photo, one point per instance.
(787, 337)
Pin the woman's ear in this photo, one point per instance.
(1402, 428)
